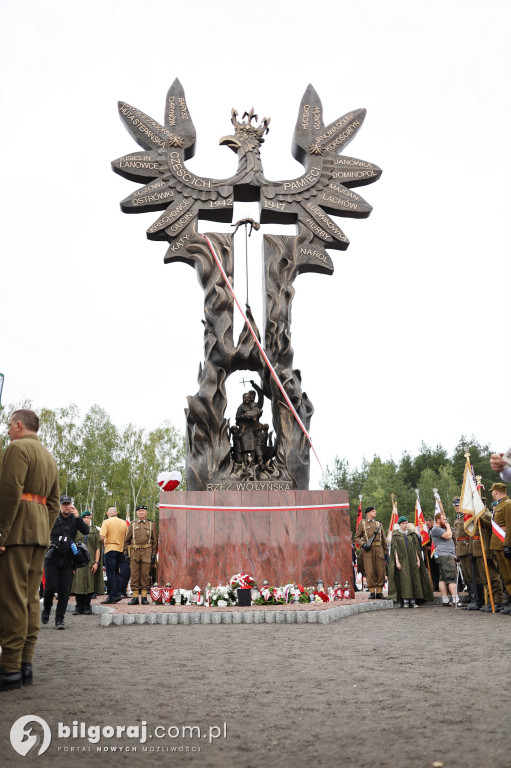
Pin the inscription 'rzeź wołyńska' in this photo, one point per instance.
(245, 457)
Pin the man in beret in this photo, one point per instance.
(29, 504)
(370, 537)
(141, 546)
(501, 535)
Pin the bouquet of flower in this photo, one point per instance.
(241, 581)
(222, 596)
(321, 597)
(271, 596)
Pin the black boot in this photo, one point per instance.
(9, 681)
(134, 601)
(26, 673)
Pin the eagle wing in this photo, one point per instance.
(161, 166)
(325, 188)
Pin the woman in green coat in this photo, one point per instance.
(409, 582)
(89, 579)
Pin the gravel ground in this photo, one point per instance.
(408, 689)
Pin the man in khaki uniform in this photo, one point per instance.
(371, 539)
(502, 520)
(491, 560)
(141, 544)
(463, 550)
(29, 505)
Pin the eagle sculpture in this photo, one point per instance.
(325, 189)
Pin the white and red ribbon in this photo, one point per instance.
(288, 508)
(498, 531)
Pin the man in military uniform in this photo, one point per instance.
(371, 539)
(141, 545)
(29, 505)
(501, 535)
(463, 550)
(493, 570)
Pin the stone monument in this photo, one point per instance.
(241, 458)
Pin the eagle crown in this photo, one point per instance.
(245, 131)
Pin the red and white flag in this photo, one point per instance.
(420, 523)
(471, 504)
(359, 514)
(393, 520)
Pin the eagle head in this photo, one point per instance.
(246, 136)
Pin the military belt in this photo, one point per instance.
(140, 546)
(33, 497)
(463, 538)
(476, 538)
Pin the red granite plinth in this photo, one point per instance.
(198, 546)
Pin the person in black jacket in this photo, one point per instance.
(58, 561)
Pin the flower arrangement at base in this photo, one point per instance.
(298, 594)
(222, 597)
(242, 581)
(321, 597)
(160, 595)
(271, 596)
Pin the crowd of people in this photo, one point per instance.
(473, 554)
(44, 538)
(41, 530)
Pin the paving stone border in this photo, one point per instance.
(287, 616)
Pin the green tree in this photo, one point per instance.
(60, 432)
(479, 459)
(97, 440)
(382, 481)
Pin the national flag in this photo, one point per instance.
(128, 514)
(359, 514)
(359, 520)
(420, 523)
(471, 504)
(393, 519)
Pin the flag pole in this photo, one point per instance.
(490, 590)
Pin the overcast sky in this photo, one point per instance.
(407, 341)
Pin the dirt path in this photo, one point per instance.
(359, 693)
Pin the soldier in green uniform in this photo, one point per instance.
(501, 536)
(29, 505)
(141, 546)
(493, 569)
(88, 580)
(371, 539)
(463, 551)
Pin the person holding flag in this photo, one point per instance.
(501, 535)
